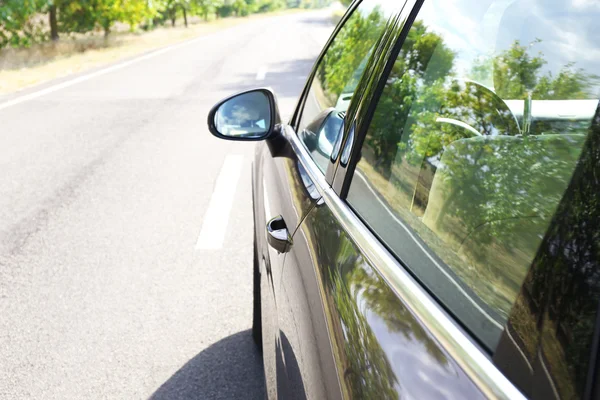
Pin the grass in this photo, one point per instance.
(557, 363)
(523, 321)
(21, 68)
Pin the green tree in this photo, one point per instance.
(170, 7)
(240, 8)
(225, 9)
(269, 5)
(497, 184)
(76, 16)
(204, 7)
(424, 62)
(345, 60)
(17, 28)
(86, 15)
(134, 12)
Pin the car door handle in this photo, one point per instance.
(278, 235)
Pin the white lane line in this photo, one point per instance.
(262, 73)
(442, 270)
(216, 217)
(83, 78)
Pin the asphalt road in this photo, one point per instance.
(104, 189)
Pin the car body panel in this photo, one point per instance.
(322, 339)
(381, 350)
(337, 322)
(277, 191)
(308, 365)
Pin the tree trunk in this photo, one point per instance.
(185, 16)
(53, 23)
(173, 16)
(106, 27)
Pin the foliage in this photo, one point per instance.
(17, 29)
(204, 8)
(76, 16)
(410, 71)
(356, 293)
(22, 22)
(345, 60)
(562, 291)
(225, 9)
(497, 181)
(269, 5)
(85, 15)
(423, 84)
(308, 3)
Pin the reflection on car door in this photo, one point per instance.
(379, 349)
(307, 361)
(279, 195)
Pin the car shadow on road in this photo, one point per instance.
(229, 369)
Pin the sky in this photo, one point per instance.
(480, 28)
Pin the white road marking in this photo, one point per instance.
(261, 74)
(83, 78)
(442, 270)
(216, 217)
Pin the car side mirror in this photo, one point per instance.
(321, 134)
(250, 115)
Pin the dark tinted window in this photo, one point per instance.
(337, 76)
(468, 161)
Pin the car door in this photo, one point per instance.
(344, 326)
(456, 251)
(308, 367)
(286, 190)
(280, 204)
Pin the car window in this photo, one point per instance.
(472, 146)
(337, 76)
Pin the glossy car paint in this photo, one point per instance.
(276, 192)
(381, 349)
(332, 328)
(333, 325)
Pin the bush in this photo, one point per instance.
(224, 11)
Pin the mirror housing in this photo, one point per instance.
(250, 115)
(310, 134)
(321, 134)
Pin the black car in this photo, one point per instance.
(427, 223)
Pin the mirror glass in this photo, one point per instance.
(246, 115)
(326, 138)
(329, 133)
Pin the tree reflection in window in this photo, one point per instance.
(471, 168)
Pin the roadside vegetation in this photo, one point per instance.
(46, 39)
(27, 22)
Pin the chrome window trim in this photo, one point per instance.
(468, 356)
(304, 157)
